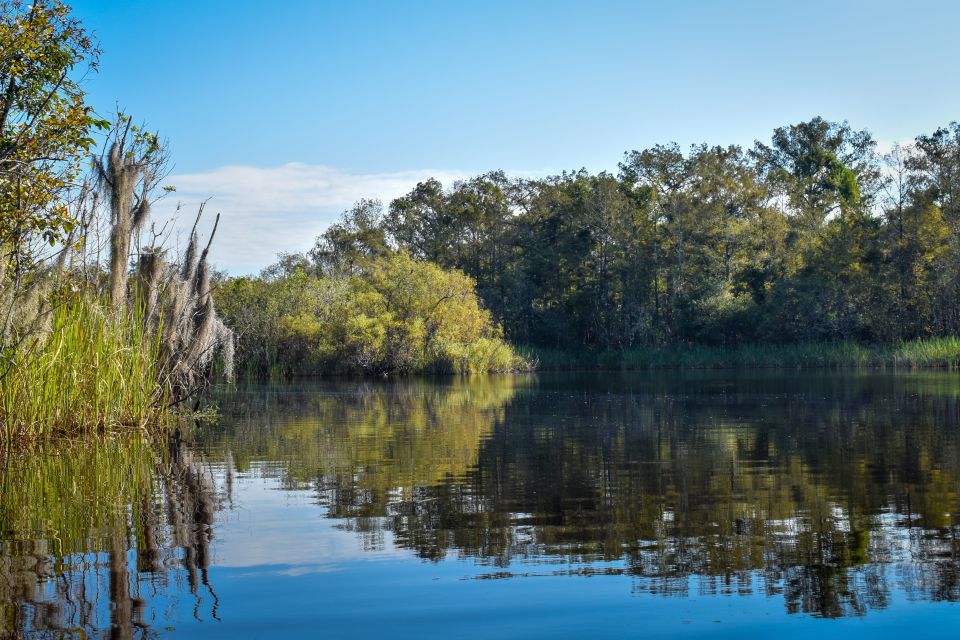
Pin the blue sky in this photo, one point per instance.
(287, 111)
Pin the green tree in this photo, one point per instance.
(346, 246)
(820, 167)
(45, 124)
(827, 178)
(422, 224)
(936, 195)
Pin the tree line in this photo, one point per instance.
(812, 236)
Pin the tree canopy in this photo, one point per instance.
(45, 123)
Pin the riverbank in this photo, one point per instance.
(931, 353)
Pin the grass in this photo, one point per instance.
(928, 353)
(93, 370)
(483, 355)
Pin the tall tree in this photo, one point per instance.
(45, 123)
(346, 246)
(827, 177)
(936, 196)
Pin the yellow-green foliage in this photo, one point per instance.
(383, 437)
(92, 370)
(395, 315)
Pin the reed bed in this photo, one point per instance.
(94, 369)
(481, 356)
(926, 353)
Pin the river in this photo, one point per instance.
(698, 504)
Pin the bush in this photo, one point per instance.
(395, 315)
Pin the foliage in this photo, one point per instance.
(82, 349)
(89, 371)
(812, 237)
(45, 125)
(391, 314)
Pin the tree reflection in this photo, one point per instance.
(835, 493)
(829, 491)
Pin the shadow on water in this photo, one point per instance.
(835, 493)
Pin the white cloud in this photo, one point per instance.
(268, 210)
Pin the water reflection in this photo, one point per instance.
(96, 535)
(836, 494)
(829, 491)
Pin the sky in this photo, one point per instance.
(284, 113)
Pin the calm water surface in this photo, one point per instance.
(591, 505)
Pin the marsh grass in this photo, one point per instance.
(928, 353)
(94, 370)
(482, 355)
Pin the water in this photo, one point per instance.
(592, 505)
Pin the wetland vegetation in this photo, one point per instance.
(393, 450)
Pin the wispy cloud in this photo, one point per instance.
(268, 210)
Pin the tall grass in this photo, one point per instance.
(928, 353)
(94, 369)
(481, 355)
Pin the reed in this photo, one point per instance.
(95, 369)
(480, 356)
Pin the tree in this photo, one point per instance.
(347, 245)
(45, 125)
(820, 167)
(938, 168)
(936, 202)
(826, 176)
(421, 222)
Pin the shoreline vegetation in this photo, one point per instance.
(102, 329)
(800, 252)
(930, 353)
(813, 250)
(388, 315)
(91, 346)
(89, 371)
